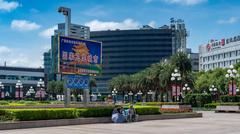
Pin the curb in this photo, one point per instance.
(82, 121)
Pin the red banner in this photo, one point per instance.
(232, 90)
(174, 90)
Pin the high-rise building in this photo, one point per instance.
(130, 51)
(194, 57)
(50, 57)
(219, 53)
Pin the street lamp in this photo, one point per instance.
(150, 92)
(231, 74)
(114, 94)
(176, 76)
(41, 91)
(1, 90)
(213, 90)
(140, 95)
(30, 92)
(19, 92)
(99, 96)
(131, 96)
(186, 88)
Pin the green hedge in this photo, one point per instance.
(95, 112)
(67, 113)
(147, 110)
(197, 100)
(41, 114)
(228, 98)
(211, 105)
(230, 104)
(158, 103)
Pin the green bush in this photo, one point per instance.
(211, 105)
(197, 100)
(230, 104)
(42, 114)
(147, 110)
(158, 103)
(4, 103)
(228, 98)
(95, 112)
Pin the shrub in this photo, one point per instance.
(42, 114)
(158, 103)
(211, 105)
(147, 110)
(230, 104)
(95, 112)
(174, 110)
(4, 103)
(228, 98)
(197, 100)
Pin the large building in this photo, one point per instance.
(28, 76)
(219, 53)
(194, 57)
(130, 51)
(126, 51)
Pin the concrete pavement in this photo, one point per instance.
(211, 123)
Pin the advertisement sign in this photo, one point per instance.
(79, 56)
(232, 90)
(77, 81)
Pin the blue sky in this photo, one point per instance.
(26, 25)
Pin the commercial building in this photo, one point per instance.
(126, 51)
(130, 51)
(28, 76)
(194, 57)
(219, 53)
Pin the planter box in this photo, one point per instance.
(181, 107)
(227, 109)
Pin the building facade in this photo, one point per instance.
(194, 57)
(130, 51)
(28, 76)
(219, 53)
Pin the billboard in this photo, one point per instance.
(79, 56)
(77, 81)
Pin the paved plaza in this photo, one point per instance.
(211, 123)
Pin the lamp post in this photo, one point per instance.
(150, 92)
(213, 91)
(99, 96)
(114, 94)
(185, 89)
(140, 95)
(231, 74)
(130, 94)
(19, 92)
(176, 76)
(237, 90)
(41, 91)
(30, 92)
(1, 90)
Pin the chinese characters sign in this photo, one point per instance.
(79, 56)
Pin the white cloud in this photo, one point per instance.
(24, 25)
(15, 57)
(231, 20)
(47, 33)
(8, 6)
(152, 24)
(97, 25)
(185, 2)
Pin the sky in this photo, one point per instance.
(27, 25)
